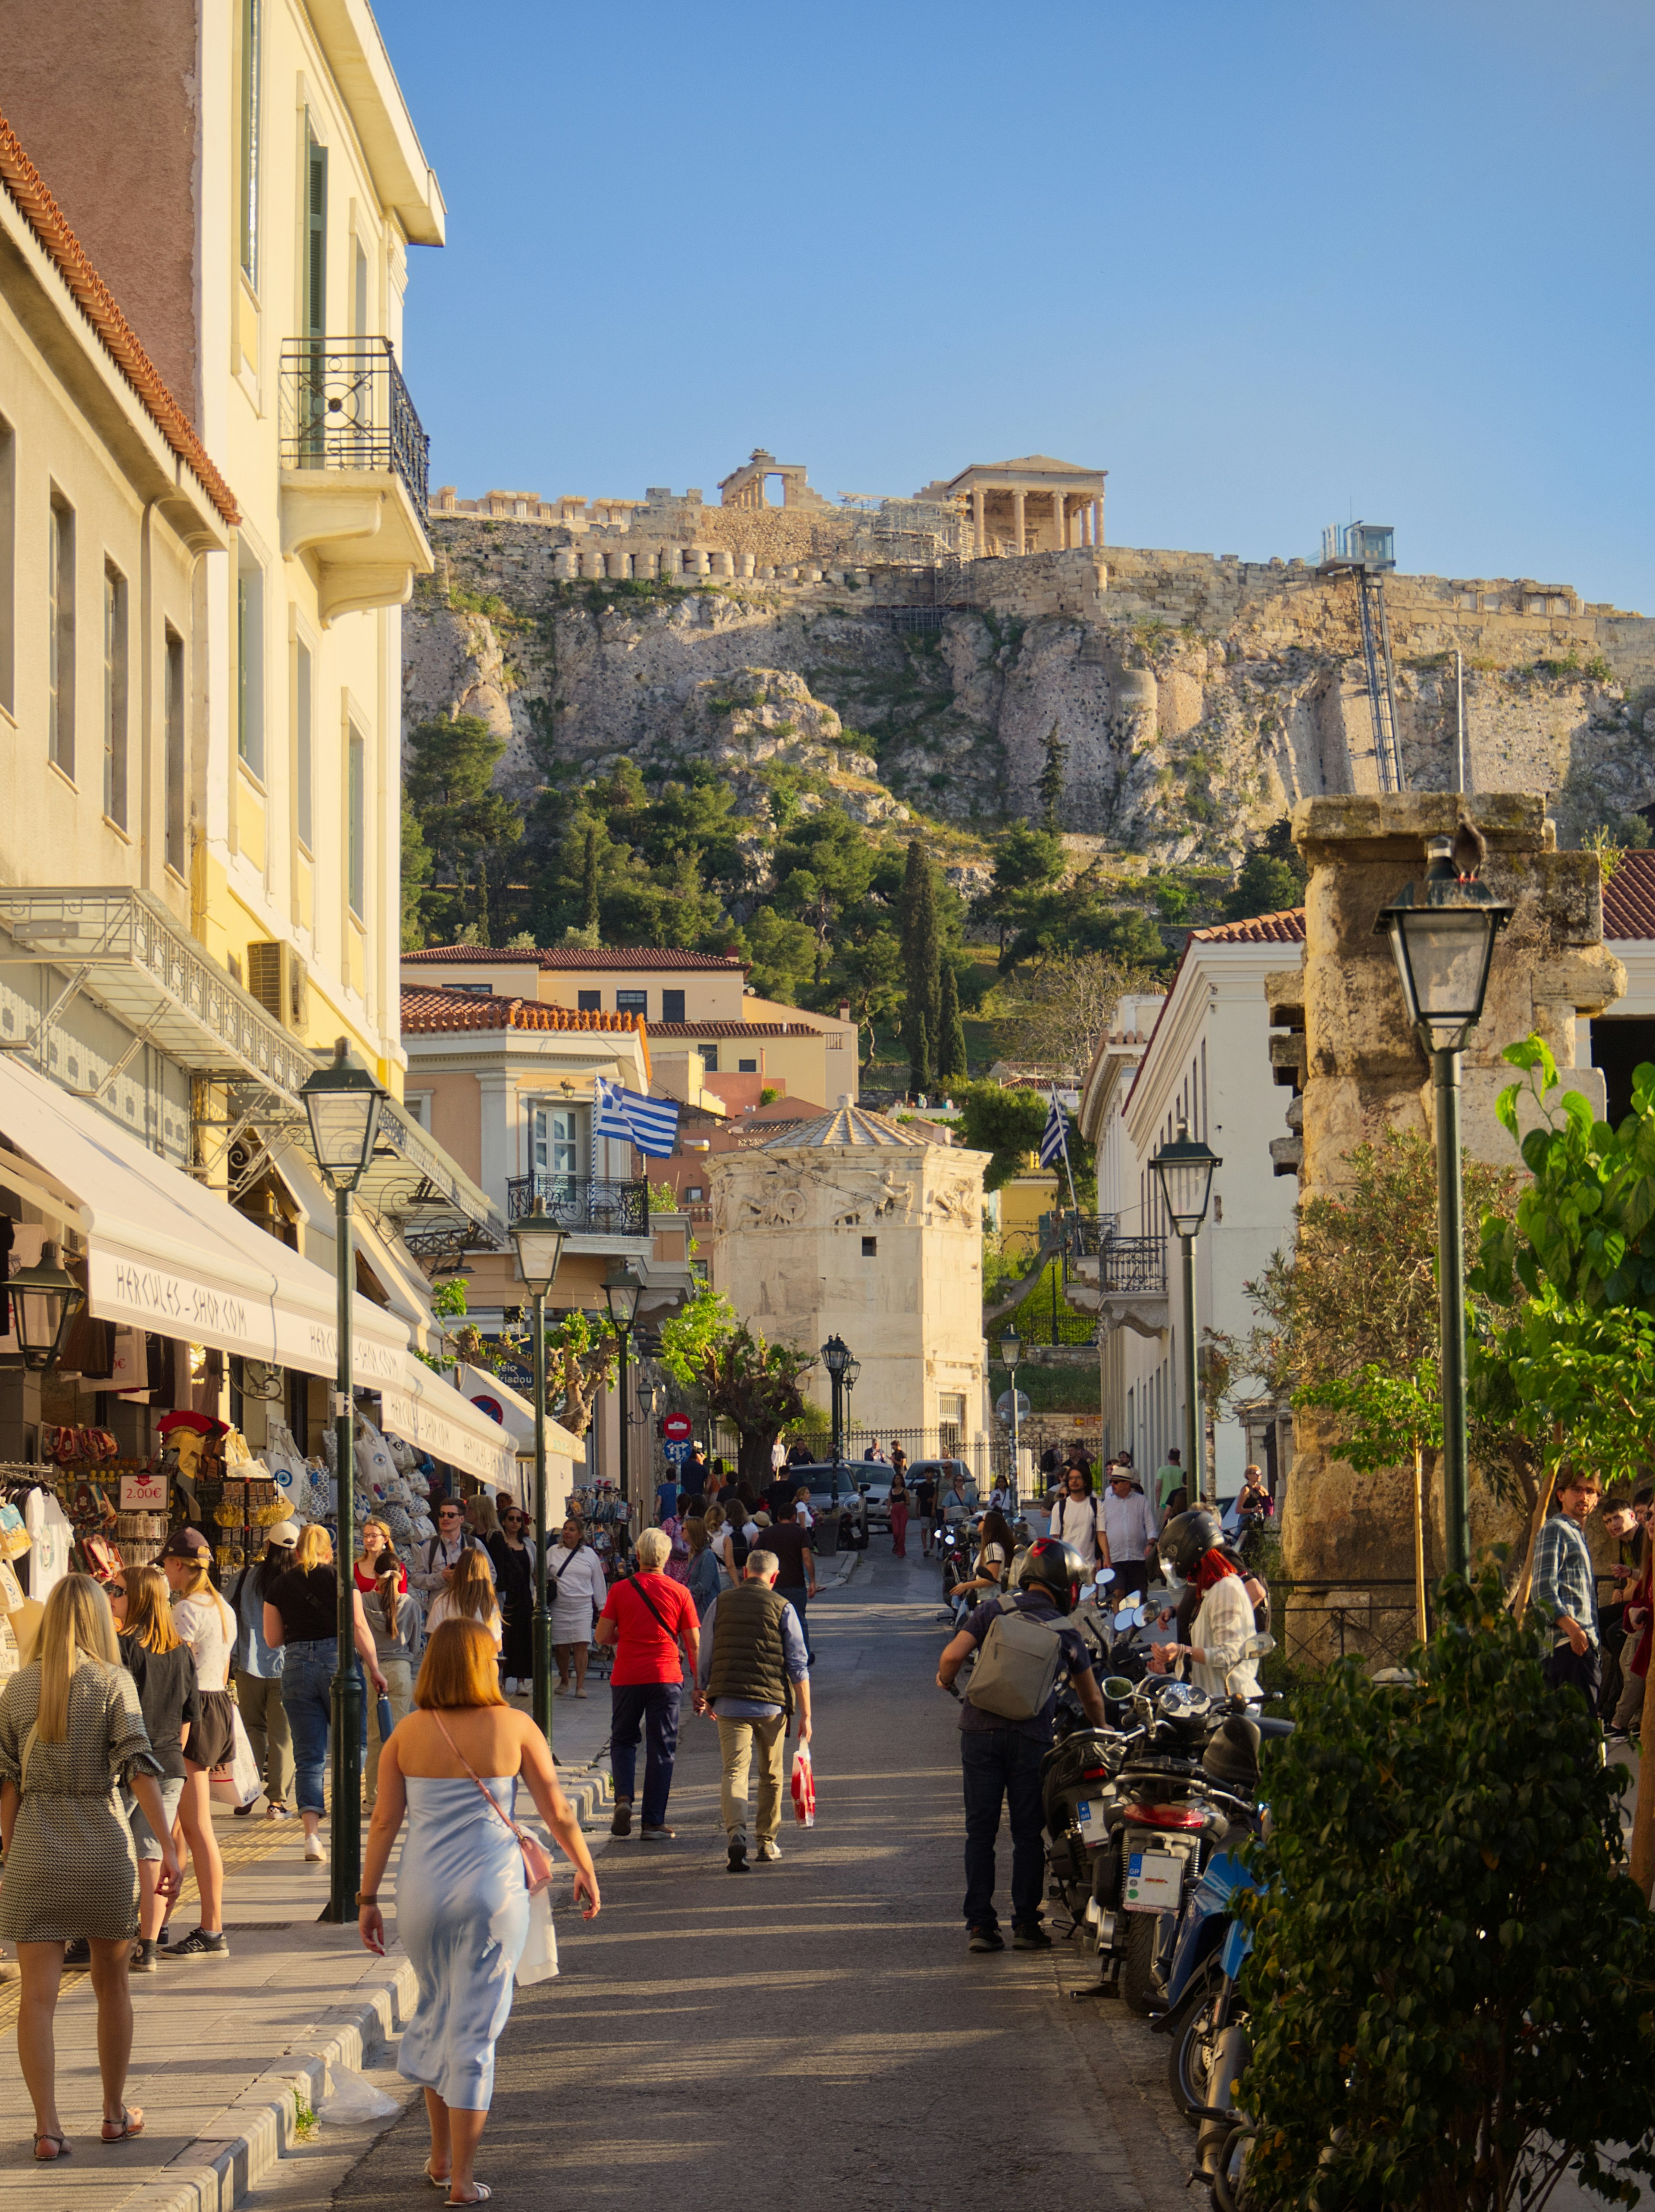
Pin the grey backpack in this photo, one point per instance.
(1018, 1666)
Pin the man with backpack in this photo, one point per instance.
(1008, 1722)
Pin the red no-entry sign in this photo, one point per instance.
(677, 1428)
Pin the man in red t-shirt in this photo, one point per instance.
(648, 1620)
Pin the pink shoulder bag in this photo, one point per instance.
(538, 1865)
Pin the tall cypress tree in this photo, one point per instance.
(922, 958)
(950, 1040)
(589, 918)
(1050, 783)
(919, 1057)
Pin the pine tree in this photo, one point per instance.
(919, 1058)
(921, 950)
(589, 916)
(951, 1041)
(1050, 784)
(484, 936)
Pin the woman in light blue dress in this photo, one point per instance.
(462, 1911)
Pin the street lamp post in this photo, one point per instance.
(1011, 1351)
(1183, 1169)
(622, 1288)
(836, 1358)
(342, 1104)
(1442, 937)
(539, 1241)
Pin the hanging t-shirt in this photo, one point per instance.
(51, 1536)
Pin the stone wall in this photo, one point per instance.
(1363, 1074)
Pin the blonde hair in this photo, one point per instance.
(200, 1584)
(384, 1527)
(460, 1668)
(714, 1520)
(696, 1531)
(149, 1609)
(77, 1627)
(471, 1591)
(655, 1549)
(314, 1547)
(480, 1512)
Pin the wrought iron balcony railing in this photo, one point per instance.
(345, 406)
(1133, 1267)
(582, 1207)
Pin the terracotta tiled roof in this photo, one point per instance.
(24, 186)
(660, 1029)
(436, 1012)
(1285, 928)
(1629, 898)
(652, 956)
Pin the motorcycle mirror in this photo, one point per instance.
(1127, 1617)
(1118, 1688)
(1104, 1575)
(1256, 1647)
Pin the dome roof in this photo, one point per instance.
(846, 1125)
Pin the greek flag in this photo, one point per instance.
(652, 1124)
(1054, 1137)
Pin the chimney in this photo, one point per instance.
(844, 1010)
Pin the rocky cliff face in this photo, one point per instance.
(1194, 700)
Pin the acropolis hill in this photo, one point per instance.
(906, 654)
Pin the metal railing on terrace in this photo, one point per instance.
(345, 405)
(581, 1205)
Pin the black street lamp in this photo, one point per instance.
(539, 1241)
(1183, 1169)
(1442, 937)
(622, 1288)
(45, 1301)
(342, 1104)
(837, 1359)
(1011, 1351)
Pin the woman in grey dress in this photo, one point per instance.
(453, 1766)
(71, 1732)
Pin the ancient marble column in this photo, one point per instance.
(1018, 538)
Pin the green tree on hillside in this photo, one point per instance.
(589, 915)
(463, 820)
(922, 953)
(1051, 779)
(1027, 861)
(416, 876)
(951, 1041)
(823, 871)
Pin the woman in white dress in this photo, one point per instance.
(581, 1590)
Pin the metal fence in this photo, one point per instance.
(589, 1206)
(343, 405)
(1316, 1622)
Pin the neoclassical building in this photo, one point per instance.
(851, 1224)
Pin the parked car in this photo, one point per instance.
(835, 1498)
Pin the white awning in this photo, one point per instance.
(485, 1390)
(165, 1253)
(424, 1408)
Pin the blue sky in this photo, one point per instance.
(1269, 265)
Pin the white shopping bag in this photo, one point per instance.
(240, 1782)
(539, 1960)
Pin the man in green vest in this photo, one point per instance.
(753, 1662)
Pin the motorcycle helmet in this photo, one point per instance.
(1186, 1540)
(1054, 1566)
(1231, 1758)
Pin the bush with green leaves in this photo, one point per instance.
(1452, 1982)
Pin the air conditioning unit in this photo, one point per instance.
(276, 978)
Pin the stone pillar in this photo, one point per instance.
(1019, 540)
(1097, 519)
(746, 563)
(617, 564)
(979, 527)
(565, 564)
(1061, 519)
(1364, 1075)
(722, 563)
(592, 561)
(695, 561)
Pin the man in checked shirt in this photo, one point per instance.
(1564, 1590)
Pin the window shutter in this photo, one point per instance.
(316, 243)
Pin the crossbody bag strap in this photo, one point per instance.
(483, 1791)
(634, 1585)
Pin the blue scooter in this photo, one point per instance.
(1207, 1956)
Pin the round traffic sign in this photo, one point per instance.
(1003, 1407)
(677, 1428)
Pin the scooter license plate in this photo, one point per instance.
(1154, 1882)
(1092, 1828)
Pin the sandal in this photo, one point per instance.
(436, 2180)
(45, 2158)
(484, 2193)
(130, 2123)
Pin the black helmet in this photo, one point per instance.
(1231, 1758)
(1188, 1539)
(1054, 1566)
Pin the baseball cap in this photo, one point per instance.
(285, 1533)
(187, 1544)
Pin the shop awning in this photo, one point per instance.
(423, 1409)
(485, 1390)
(165, 1253)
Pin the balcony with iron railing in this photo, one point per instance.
(354, 470)
(583, 1205)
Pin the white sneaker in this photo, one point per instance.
(770, 1852)
(315, 1850)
